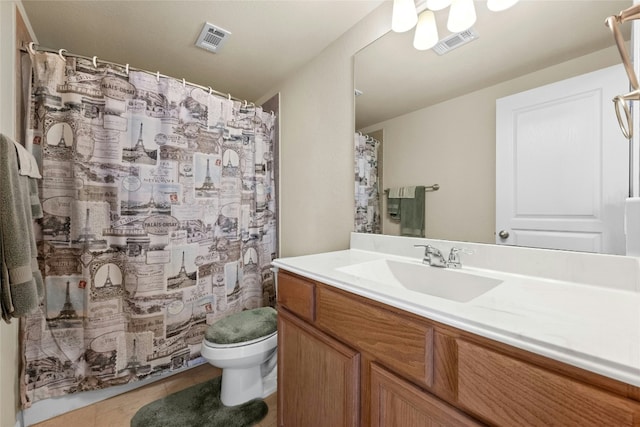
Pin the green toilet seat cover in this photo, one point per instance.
(244, 326)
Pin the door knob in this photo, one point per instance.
(503, 234)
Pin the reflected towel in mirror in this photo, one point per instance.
(402, 192)
(406, 204)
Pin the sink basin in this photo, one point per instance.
(445, 283)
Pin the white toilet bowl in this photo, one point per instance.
(248, 367)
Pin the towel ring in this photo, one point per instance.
(626, 126)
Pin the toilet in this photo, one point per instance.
(244, 346)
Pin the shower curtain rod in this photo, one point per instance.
(368, 137)
(32, 47)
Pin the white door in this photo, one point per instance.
(562, 165)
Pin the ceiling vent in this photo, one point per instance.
(454, 41)
(212, 38)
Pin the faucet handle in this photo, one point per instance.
(432, 256)
(454, 257)
(428, 249)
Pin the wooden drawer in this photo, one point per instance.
(297, 295)
(396, 402)
(399, 343)
(507, 392)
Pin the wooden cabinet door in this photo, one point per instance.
(509, 392)
(318, 377)
(398, 403)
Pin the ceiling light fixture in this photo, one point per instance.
(462, 15)
(426, 35)
(405, 16)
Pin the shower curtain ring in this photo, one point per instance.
(95, 62)
(60, 53)
(30, 48)
(184, 83)
(229, 96)
(245, 103)
(126, 69)
(158, 76)
(210, 90)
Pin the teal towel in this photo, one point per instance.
(393, 208)
(412, 214)
(20, 282)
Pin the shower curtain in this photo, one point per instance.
(159, 219)
(367, 200)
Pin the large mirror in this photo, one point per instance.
(436, 114)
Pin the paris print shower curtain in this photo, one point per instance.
(159, 219)
(367, 199)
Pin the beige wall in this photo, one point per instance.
(316, 144)
(453, 144)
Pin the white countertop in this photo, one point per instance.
(591, 327)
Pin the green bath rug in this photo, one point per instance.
(199, 406)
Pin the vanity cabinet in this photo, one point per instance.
(317, 375)
(508, 391)
(396, 402)
(345, 360)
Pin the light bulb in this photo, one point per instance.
(426, 35)
(499, 5)
(404, 15)
(462, 15)
(438, 4)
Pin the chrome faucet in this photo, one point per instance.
(432, 256)
(454, 257)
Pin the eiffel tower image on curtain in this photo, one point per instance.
(139, 153)
(68, 316)
(182, 279)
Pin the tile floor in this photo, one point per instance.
(118, 410)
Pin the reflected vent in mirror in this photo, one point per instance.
(455, 40)
(212, 38)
